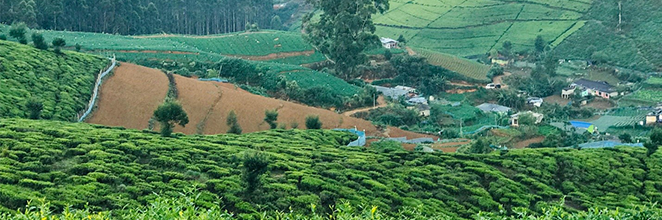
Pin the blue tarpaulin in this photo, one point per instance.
(580, 124)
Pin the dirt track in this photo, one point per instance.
(131, 95)
(381, 102)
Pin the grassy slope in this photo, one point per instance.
(637, 46)
(62, 82)
(110, 168)
(466, 28)
(210, 47)
(462, 66)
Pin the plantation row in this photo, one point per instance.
(44, 84)
(467, 28)
(211, 47)
(456, 64)
(110, 168)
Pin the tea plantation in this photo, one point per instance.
(63, 83)
(101, 168)
(466, 28)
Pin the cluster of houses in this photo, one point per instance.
(515, 118)
(654, 118)
(589, 87)
(411, 97)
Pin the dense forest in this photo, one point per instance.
(139, 17)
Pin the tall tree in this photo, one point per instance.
(233, 123)
(18, 31)
(343, 31)
(168, 115)
(276, 23)
(270, 117)
(39, 41)
(58, 43)
(540, 44)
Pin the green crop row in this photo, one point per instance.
(62, 83)
(460, 65)
(101, 169)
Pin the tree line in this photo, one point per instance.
(140, 17)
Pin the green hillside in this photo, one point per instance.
(62, 82)
(635, 45)
(467, 28)
(109, 168)
(285, 47)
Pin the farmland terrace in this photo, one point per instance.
(466, 28)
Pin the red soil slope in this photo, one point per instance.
(129, 97)
(207, 105)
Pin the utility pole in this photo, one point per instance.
(620, 14)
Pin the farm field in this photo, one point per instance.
(62, 83)
(207, 104)
(279, 46)
(467, 28)
(644, 97)
(462, 66)
(67, 163)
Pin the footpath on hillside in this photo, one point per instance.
(381, 102)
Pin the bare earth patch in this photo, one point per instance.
(129, 97)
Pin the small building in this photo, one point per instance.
(501, 61)
(423, 110)
(514, 119)
(395, 93)
(279, 6)
(388, 43)
(567, 92)
(535, 101)
(489, 107)
(417, 101)
(600, 89)
(654, 118)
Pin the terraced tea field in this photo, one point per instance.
(460, 65)
(276, 46)
(473, 27)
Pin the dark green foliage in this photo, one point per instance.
(232, 122)
(496, 70)
(38, 41)
(387, 54)
(18, 31)
(387, 146)
(107, 169)
(78, 47)
(62, 83)
(394, 115)
(313, 122)
(625, 138)
(480, 146)
(276, 23)
(539, 44)
(511, 99)
(270, 117)
(168, 114)
(402, 40)
(3, 37)
(655, 141)
(58, 43)
(507, 48)
(254, 165)
(344, 31)
(34, 107)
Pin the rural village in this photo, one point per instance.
(330, 109)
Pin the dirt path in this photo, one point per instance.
(527, 142)
(410, 51)
(381, 102)
(499, 79)
(275, 55)
(129, 97)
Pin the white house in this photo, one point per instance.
(389, 43)
(514, 119)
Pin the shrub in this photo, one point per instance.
(313, 122)
(38, 41)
